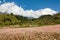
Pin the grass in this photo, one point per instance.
(31, 36)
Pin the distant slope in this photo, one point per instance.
(7, 19)
(10, 19)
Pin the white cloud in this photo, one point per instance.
(16, 10)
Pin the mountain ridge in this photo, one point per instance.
(11, 19)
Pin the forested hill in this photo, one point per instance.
(10, 19)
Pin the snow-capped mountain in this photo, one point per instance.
(16, 10)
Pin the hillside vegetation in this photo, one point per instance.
(10, 19)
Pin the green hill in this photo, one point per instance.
(7, 19)
(10, 19)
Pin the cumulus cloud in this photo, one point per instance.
(16, 10)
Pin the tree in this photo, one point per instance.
(12, 14)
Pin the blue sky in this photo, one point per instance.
(37, 4)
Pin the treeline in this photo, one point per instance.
(10, 19)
